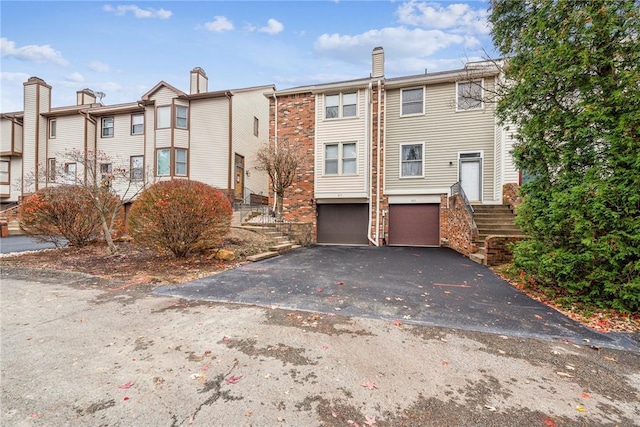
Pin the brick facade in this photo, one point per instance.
(457, 229)
(295, 123)
(510, 195)
(497, 249)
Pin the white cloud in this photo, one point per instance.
(456, 17)
(273, 27)
(74, 77)
(31, 53)
(14, 77)
(99, 67)
(138, 12)
(219, 24)
(399, 41)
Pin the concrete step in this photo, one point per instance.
(281, 247)
(263, 255)
(477, 258)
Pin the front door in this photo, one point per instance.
(239, 180)
(471, 175)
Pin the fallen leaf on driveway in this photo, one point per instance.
(564, 374)
(340, 283)
(128, 384)
(233, 379)
(586, 395)
(370, 420)
(537, 316)
(319, 290)
(126, 398)
(445, 362)
(491, 408)
(580, 408)
(325, 347)
(397, 323)
(370, 385)
(612, 359)
(549, 422)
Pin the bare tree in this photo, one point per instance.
(279, 159)
(97, 174)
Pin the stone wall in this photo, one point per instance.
(497, 249)
(510, 195)
(457, 229)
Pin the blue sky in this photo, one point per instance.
(124, 48)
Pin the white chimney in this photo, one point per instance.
(199, 81)
(377, 63)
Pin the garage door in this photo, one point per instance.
(414, 225)
(343, 223)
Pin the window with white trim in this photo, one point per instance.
(181, 116)
(137, 124)
(469, 95)
(136, 168)
(107, 127)
(412, 101)
(341, 105)
(106, 175)
(340, 158)
(411, 160)
(181, 161)
(51, 170)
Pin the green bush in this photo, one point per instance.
(180, 216)
(64, 211)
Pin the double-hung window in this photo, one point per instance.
(181, 162)
(341, 105)
(136, 168)
(4, 171)
(340, 159)
(181, 116)
(412, 101)
(411, 159)
(51, 170)
(163, 162)
(469, 95)
(106, 175)
(70, 173)
(137, 124)
(52, 128)
(107, 127)
(163, 117)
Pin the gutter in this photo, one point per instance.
(275, 141)
(378, 138)
(88, 117)
(230, 161)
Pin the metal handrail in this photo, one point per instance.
(457, 189)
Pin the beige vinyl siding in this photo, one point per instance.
(445, 133)
(352, 129)
(180, 135)
(163, 96)
(511, 173)
(209, 146)
(8, 134)
(246, 106)
(37, 100)
(69, 136)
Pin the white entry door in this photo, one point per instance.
(471, 176)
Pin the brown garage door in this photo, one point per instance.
(414, 225)
(343, 223)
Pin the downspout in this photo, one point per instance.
(378, 138)
(230, 162)
(275, 141)
(369, 135)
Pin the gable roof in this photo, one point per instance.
(160, 85)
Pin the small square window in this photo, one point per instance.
(107, 127)
(411, 159)
(412, 101)
(137, 124)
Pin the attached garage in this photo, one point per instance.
(344, 224)
(414, 224)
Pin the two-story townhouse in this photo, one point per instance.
(208, 136)
(384, 153)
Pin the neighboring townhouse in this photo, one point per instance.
(167, 134)
(383, 154)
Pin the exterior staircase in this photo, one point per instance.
(280, 245)
(492, 220)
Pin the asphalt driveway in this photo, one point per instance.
(422, 286)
